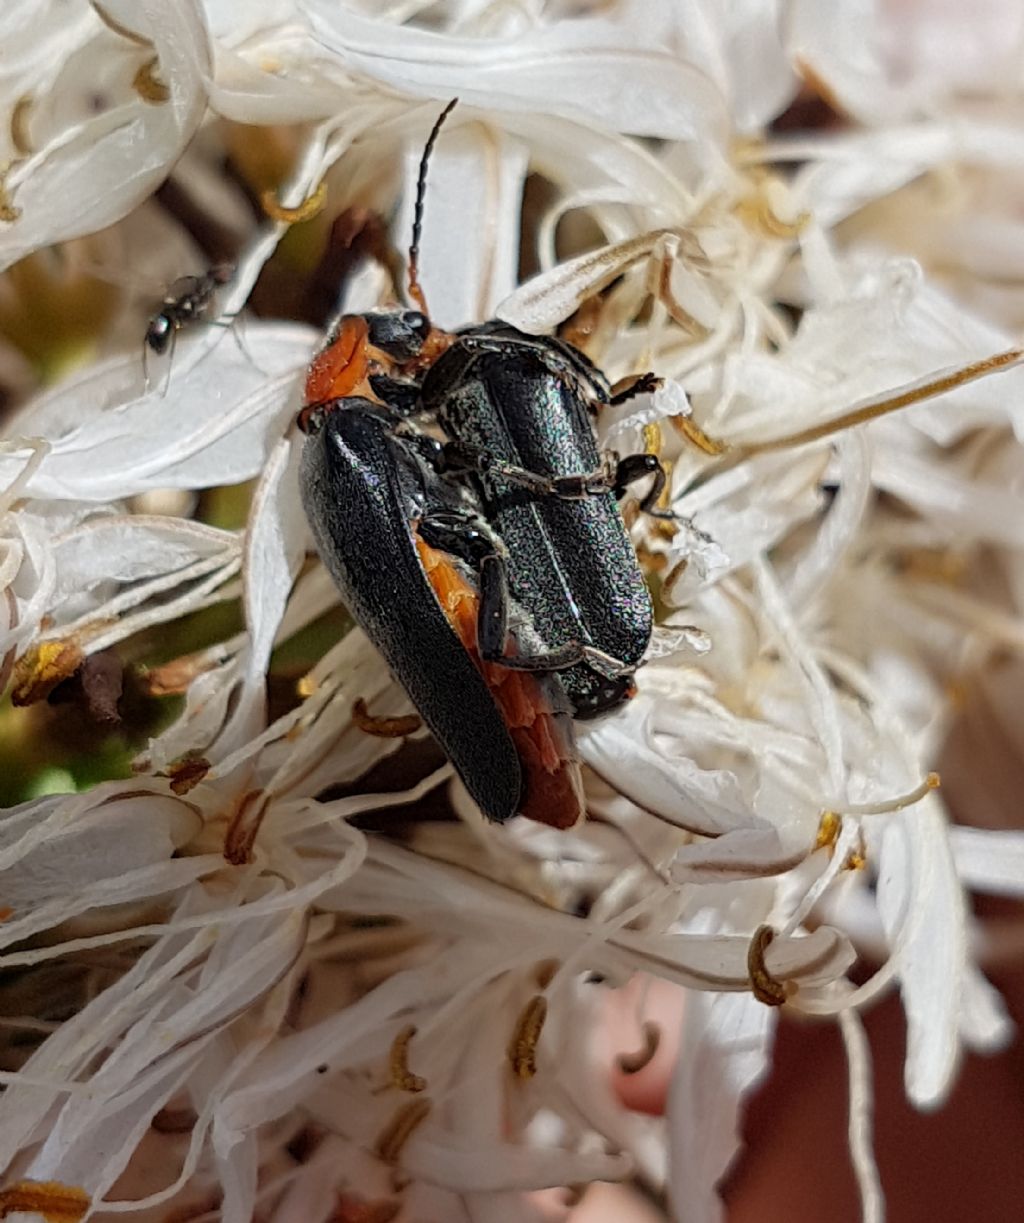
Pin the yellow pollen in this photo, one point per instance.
(42, 668)
(829, 827)
(56, 1202)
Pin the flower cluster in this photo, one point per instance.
(244, 980)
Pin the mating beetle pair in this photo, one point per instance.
(492, 570)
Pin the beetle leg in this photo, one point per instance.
(461, 456)
(472, 542)
(628, 388)
(635, 467)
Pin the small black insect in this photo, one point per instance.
(185, 302)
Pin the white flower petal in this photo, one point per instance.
(90, 174)
(215, 425)
(922, 907)
(989, 861)
(723, 1055)
(548, 70)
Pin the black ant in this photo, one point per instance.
(185, 302)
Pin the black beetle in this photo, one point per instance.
(518, 410)
(537, 512)
(410, 554)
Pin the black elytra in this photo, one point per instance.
(362, 488)
(525, 404)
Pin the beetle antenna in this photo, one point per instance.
(415, 289)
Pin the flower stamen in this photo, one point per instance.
(401, 1076)
(243, 826)
(830, 825)
(9, 211)
(310, 207)
(763, 985)
(522, 1048)
(19, 125)
(393, 1137)
(42, 668)
(383, 727)
(113, 24)
(694, 434)
(58, 1203)
(876, 408)
(148, 85)
(931, 782)
(633, 1063)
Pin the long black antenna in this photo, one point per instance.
(415, 290)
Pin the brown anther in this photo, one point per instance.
(309, 208)
(393, 1137)
(55, 1202)
(19, 125)
(243, 825)
(6, 912)
(9, 211)
(148, 85)
(401, 1076)
(187, 772)
(762, 984)
(830, 825)
(383, 728)
(633, 1063)
(522, 1048)
(544, 971)
(306, 686)
(42, 668)
(697, 437)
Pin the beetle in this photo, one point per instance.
(538, 532)
(424, 575)
(519, 411)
